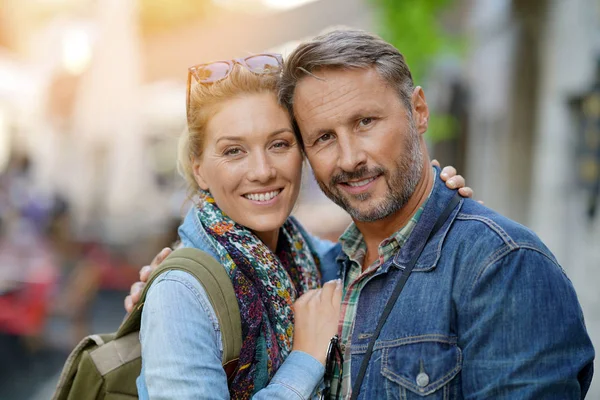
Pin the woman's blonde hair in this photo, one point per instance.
(204, 102)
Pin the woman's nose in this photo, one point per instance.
(261, 169)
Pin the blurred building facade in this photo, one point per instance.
(98, 93)
(93, 93)
(534, 128)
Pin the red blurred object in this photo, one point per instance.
(27, 280)
(115, 273)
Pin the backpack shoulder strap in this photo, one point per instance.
(217, 283)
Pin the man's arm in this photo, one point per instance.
(522, 332)
(136, 289)
(448, 175)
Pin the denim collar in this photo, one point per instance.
(192, 233)
(439, 199)
(441, 195)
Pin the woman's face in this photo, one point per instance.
(251, 162)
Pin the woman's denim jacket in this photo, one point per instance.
(487, 313)
(181, 339)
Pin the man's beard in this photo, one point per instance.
(401, 183)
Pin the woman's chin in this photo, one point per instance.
(265, 226)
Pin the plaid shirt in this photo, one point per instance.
(355, 279)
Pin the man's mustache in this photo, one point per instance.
(356, 175)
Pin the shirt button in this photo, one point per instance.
(422, 379)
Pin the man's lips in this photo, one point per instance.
(359, 186)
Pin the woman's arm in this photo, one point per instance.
(182, 348)
(325, 248)
(181, 342)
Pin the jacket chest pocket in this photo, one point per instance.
(421, 367)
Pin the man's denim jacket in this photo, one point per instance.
(181, 338)
(487, 313)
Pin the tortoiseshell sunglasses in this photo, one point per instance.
(206, 74)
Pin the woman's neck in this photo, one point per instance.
(270, 238)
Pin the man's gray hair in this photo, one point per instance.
(346, 49)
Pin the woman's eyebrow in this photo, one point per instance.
(278, 131)
(230, 138)
(241, 138)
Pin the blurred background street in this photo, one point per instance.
(92, 100)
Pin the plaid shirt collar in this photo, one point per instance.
(355, 248)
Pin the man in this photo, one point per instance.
(487, 311)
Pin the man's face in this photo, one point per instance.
(363, 144)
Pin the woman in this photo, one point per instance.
(240, 156)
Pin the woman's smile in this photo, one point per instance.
(264, 197)
(251, 163)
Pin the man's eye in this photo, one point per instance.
(325, 137)
(366, 121)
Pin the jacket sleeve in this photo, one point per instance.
(182, 348)
(328, 253)
(522, 331)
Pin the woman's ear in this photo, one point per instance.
(198, 175)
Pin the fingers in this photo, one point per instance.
(336, 300)
(456, 182)
(136, 291)
(448, 172)
(466, 192)
(435, 163)
(306, 297)
(329, 294)
(145, 273)
(146, 270)
(128, 304)
(328, 290)
(160, 257)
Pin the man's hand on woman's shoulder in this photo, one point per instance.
(136, 289)
(448, 175)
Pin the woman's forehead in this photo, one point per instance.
(251, 116)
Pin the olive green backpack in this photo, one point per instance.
(106, 366)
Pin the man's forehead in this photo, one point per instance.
(329, 85)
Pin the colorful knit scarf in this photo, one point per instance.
(266, 285)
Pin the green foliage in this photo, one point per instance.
(442, 127)
(414, 27)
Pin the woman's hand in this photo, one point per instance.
(454, 181)
(136, 289)
(317, 314)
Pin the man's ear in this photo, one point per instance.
(198, 175)
(420, 110)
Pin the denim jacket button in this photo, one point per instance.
(422, 379)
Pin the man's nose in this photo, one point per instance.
(351, 155)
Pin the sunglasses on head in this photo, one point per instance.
(206, 74)
(334, 359)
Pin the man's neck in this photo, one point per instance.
(375, 232)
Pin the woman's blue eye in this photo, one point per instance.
(280, 145)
